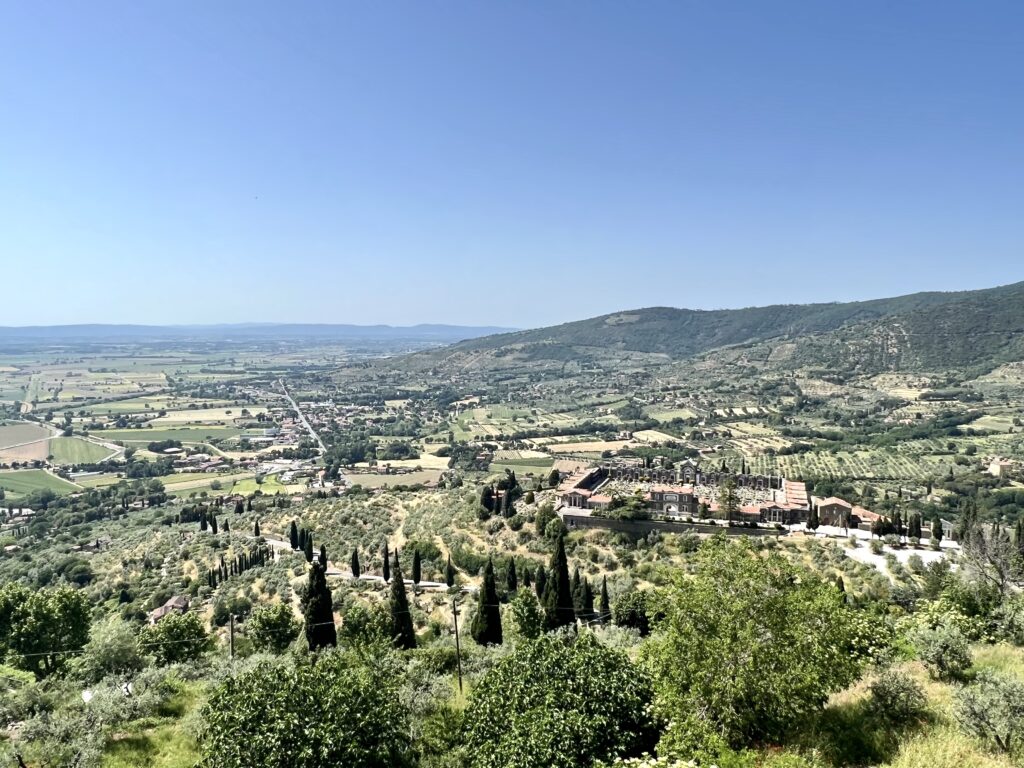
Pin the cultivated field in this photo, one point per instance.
(23, 481)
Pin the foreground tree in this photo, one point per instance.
(272, 627)
(39, 626)
(486, 626)
(176, 638)
(338, 708)
(559, 702)
(749, 646)
(317, 610)
(403, 633)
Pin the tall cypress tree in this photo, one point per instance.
(558, 604)
(256, 529)
(355, 563)
(387, 565)
(606, 604)
(486, 626)
(213, 524)
(541, 582)
(527, 580)
(576, 587)
(449, 573)
(401, 617)
(317, 611)
(323, 556)
(227, 525)
(248, 506)
(511, 579)
(239, 507)
(307, 547)
(416, 567)
(588, 601)
(293, 535)
(203, 522)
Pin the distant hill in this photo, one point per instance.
(441, 334)
(917, 331)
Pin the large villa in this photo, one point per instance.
(686, 491)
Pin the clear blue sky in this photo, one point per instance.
(513, 163)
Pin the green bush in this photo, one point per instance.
(992, 708)
(896, 697)
(943, 649)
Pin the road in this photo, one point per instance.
(302, 416)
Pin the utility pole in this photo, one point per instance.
(231, 635)
(458, 651)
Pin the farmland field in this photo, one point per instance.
(184, 434)
(23, 481)
(75, 450)
(670, 413)
(15, 433)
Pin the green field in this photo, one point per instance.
(185, 435)
(75, 450)
(24, 481)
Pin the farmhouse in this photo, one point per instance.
(177, 604)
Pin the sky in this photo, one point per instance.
(501, 163)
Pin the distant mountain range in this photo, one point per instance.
(438, 334)
(921, 331)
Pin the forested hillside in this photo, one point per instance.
(922, 330)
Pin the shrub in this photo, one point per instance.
(943, 649)
(896, 697)
(876, 546)
(992, 708)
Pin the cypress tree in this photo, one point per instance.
(355, 563)
(227, 525)
(540, 584)
(401, 617)
(248, 506)
(416, 567)
(511, 579)
(527, 578)
(256, 529)
(317, 611)
(293, 535)
(213, 524)
(588, 601)
(239, 507)
(606, 604)
(486, 626)
(323, 556)
(576, 587)
(558, 603)
(202, 521)
(1018, 536)
(387, 565)
(307, 548)
(449, 573)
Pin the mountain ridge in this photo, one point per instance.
(865, 334)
